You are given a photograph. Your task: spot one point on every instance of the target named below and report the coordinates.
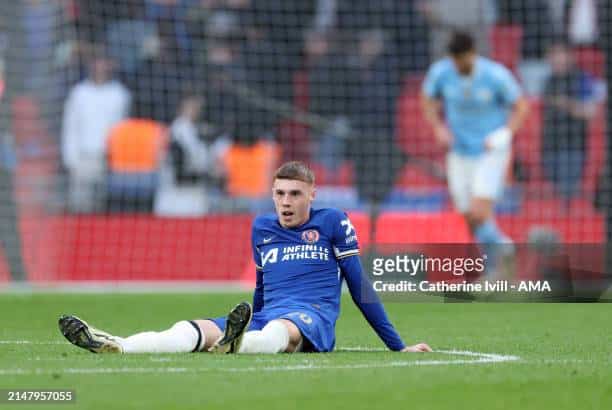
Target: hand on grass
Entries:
(418, 348)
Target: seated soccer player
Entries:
(302, 255)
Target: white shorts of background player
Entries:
(481, 176)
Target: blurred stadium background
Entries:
(138, 137)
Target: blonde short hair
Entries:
(295, 170)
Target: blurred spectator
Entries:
(373, 92)
(374, 85)
(93, 107)
(268, 73)
(569, 102)
(604, 191)
(446, 16)
(225, 77)
(10, 235)
(359, 15)
(325, 15)
(328, 89)
(582, 28)
(171, 19)
(196, 158)
(192, 161)
(91, 17)
(158, 84)
(411, 36)
(136, 148)
(284, 24)
(210, 20)
(557, 8)
(576, 20)
(195, 169)
(535, 17)
(405, 20)
(131, 38)
(39, 20)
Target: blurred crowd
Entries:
(225, 80)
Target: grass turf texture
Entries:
(564, 349)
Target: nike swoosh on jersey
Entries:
(266, 240)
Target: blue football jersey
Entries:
(300, 265)
(303, 268)
(474, 105)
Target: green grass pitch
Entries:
(545, 356)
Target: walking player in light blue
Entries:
(475, 106)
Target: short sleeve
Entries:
(256, 253)
(344, 236)
(432, 87)
(509, 89)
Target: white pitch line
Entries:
(300, 367)
(162, 370)
(339, 349)
(29, 342)
(475, 358)
(493, 356)
(489, 356)
(361, 349)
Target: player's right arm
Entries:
(258, 294)
(258, 300)
(431, 104)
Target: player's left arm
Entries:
(510, 94)
(518, 114)
(346, 251)
(371, 307)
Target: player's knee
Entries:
(293, 334)
(468, 219)
(476, 219)
(210, 332)
(480, 212)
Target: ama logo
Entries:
(310, 236)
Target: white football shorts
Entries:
(481, 176)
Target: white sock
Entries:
(273, 338)
(183, 337)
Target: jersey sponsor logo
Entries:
(310, 236)
(301, 252)
(266, 240)
(295, 253)
(271, 256)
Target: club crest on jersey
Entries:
(310, 236)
